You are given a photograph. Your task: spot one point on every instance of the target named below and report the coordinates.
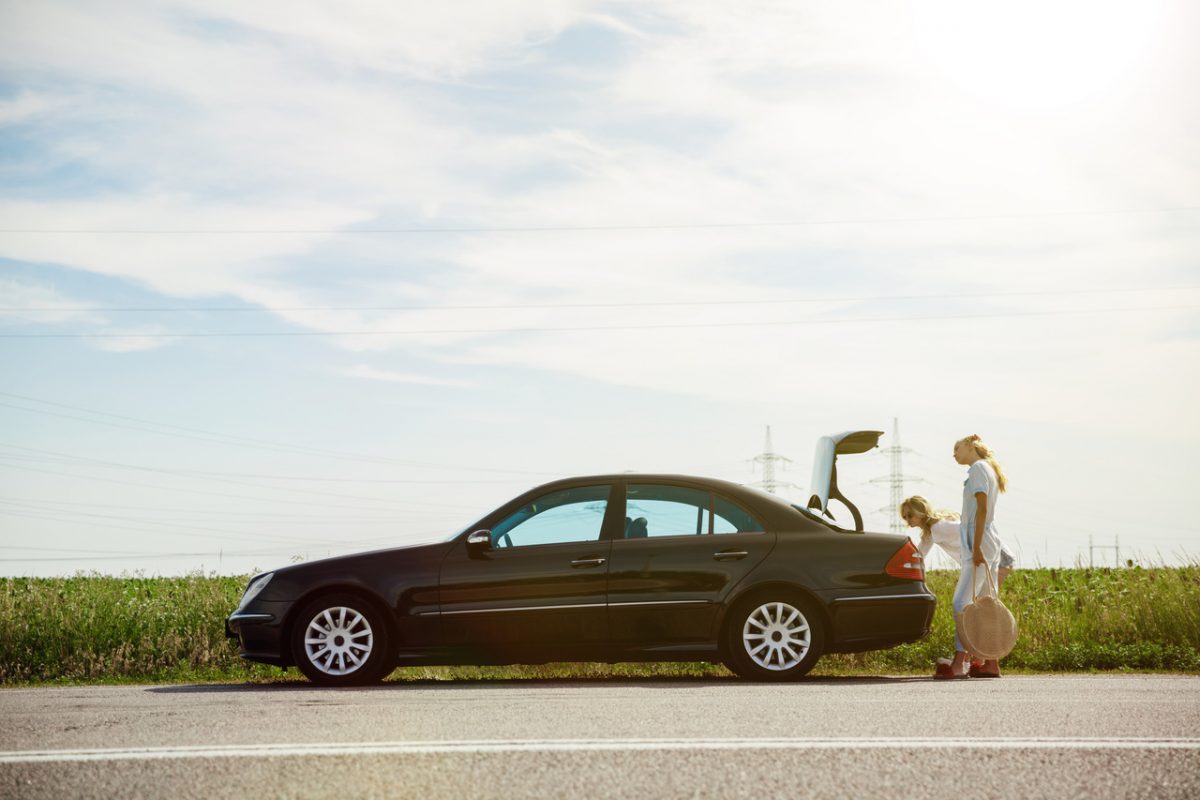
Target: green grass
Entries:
(92, 628)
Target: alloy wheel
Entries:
(338, 640)
(776, 636)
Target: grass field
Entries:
(104, 629)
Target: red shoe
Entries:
(977, 672)
(944, 671)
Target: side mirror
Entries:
(479, 542)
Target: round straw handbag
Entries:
(988, 629)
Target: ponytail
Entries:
(987, 454)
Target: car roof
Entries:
(734, 490)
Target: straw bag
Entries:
(987, 628)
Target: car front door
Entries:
(541, 580)
(683, 549)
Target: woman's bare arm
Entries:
(981, 500)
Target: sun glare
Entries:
(1038, 54)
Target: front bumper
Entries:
(258, 630)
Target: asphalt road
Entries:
(1063, 736)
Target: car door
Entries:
(682, 550)
(541, 582)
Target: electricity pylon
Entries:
(769, 458)
(896, 479)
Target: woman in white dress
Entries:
(979, 543)
(940, 527)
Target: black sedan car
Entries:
(612, 568)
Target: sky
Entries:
(279, 281)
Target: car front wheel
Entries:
(774, 638)
(341, 640)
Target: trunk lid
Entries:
(824, 480)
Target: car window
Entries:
(652, 510)
(568, 515)
(732, 518)
(660, 510)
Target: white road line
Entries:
(585, 745)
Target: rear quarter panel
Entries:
(843, 573)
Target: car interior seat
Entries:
(637, 529)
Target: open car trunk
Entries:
(824, 480)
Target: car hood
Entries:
(414, 551)
(824, 480)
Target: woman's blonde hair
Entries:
(986, 453)
(919, 505)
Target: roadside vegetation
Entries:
(92, 628)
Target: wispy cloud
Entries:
(372, 373)
(271, 132)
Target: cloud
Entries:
(372, 373)
(133, 339)
(26, 301)
(305, 125)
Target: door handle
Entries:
(587, 562)
(729, 555)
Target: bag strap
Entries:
(991, 582)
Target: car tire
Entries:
(342, 640)
(773, 637)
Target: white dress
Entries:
(946, 534)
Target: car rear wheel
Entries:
(774, 638)
(341, 640)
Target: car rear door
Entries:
(683, 549)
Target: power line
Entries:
(82, 461)
(27, 506)
(7, 560)
(7, 547)
(70, 459)
(208, 533)
(601, 228)
(213, 533)
(585, 328)
(242, 441)
(124, 556)
(284, 500)
(219, 512)
(633, 304)
(1028, 495)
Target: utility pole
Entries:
(769, 458)
(896, 479)
(1115, 547)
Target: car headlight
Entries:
(255, 588)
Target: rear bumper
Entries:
(879, 620)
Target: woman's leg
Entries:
(962, 597)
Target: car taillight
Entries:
(907, 563)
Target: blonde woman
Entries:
(942, 528)
(937, 526)
(979, 541)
